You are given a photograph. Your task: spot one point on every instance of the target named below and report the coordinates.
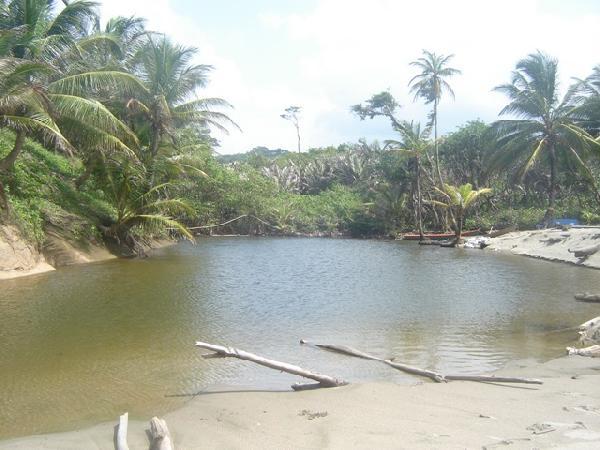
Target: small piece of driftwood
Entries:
(435, 376)
(121, 439)
(592, 351)
(587, 297)
(160, 436)
(322, 380)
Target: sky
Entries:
(326, 55)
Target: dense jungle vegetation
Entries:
(104, 137)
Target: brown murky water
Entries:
(86, 343)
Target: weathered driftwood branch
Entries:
(589, 332)
(435, 376)
(592, 351)
(159, 433)
(343, 349)
(493, 379)
(121, 439)
(587, 297)
(323, 380)
(585, 252)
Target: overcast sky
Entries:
(326, 55)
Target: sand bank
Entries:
(552, 244)
(564, 413)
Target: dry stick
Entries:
(121, 442)
(323, 380)
(161, 438)
(435, 376)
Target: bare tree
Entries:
(291, 114)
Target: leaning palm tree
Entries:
(429, 85)
(414, 144)
(546, 130)
(459, 199)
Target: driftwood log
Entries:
(435, 376)
(160, 436)
(121, 435)
(589, 332)
(592, 351)
(585, 252)
(323, 381)
(587, 297)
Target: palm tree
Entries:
(429, 85)
(546, 129)
(167, 100)
(459, 200)
(414, 144)
(588, 94)
(138, 204)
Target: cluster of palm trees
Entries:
(542, 131)
(120, 97)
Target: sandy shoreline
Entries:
(564, 412)
(75, 256)
(551, 245)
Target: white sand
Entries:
(380, 415)
(551, 244)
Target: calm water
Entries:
(86, 343)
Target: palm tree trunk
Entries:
(435, 143)
(298, 134)
(419, 201)
(155, 142)
(459, 226)
(9, 160)
(552, 198)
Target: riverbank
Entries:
(551, 245)
(19, 258)
(564, 412)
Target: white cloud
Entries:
(346, 50)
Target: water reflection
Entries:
(85, 343)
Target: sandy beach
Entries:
(564, 413)
(551, 244)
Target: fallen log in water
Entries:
(435, 376)
(160, 436)
(230, 352)
(587, 297)
(121, 437)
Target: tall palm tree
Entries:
(459, 199)
(167, 99)
(429, 85)
(414, 144)
(546, 130)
